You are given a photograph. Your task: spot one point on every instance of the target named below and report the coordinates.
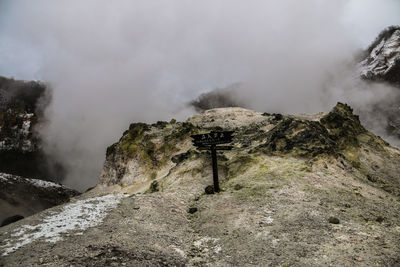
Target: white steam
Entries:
(115, 62)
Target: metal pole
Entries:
(215, 168)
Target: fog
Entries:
(111, 63)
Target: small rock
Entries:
(192, 210)
(209, 190)
(380, 219)
(277, 116)
(333, 220)
(238, 186)
(370, 178)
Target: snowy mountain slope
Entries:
(383, 57)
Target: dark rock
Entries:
(111, 149)
(371, 178)
(154, 187)
(160, 124)
(277, 116)
(209, 189)
(298, 137)
(238, 186)
(192, 210)
(11, 219)
(183, 156)
(333, 220)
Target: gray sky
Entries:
(115, 62)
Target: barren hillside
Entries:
(298, 190)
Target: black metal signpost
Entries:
(209, 141)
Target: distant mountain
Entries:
(21, 108)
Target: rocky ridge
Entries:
(297, 190)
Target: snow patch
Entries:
(36, 182)
(18, 137)
(4, 177)
(26, 125)
(41, 183)
(269, 220)
(3, 145)
(76, 217)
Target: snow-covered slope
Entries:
(382, 61)
(26, 196)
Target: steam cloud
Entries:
(114, 62)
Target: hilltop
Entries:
(297, 190)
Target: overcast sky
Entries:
(115, 62)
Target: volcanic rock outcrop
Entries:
(297, 190)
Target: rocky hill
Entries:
(297, 190)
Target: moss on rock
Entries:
(343, 126)
(298, 138)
